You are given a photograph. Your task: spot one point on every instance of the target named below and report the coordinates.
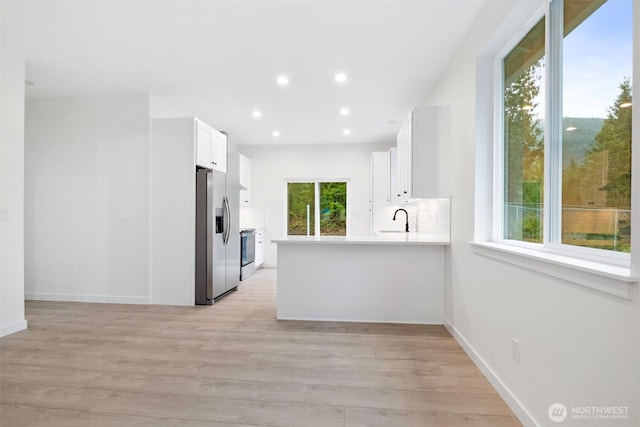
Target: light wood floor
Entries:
(233, 364)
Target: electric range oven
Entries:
(247, 253)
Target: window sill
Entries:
(610, 279)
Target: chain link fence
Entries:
(602, 228)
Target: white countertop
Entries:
(394, 238)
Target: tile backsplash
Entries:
(425, 215)
(434, 215)
(251, 218)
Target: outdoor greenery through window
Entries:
(301, 198)
(589, 128)
(523, 70)
(320, 206)
(596, 136)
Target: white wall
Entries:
(173, 212)
(87, 199)
(12, 74)
(578, 346)
(273, 164)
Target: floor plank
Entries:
(50, 397)
(367, 417)
(234, 364)
(27, 416)
(202, 387)
(223, 410)
(451, 402)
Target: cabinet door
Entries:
(244, 164)
(260, 247)
(417, 157)
(402, 191)
(394, 178)
(219, 151)
(380, 163)
(246, 187)
(407, 151)
(380, 196)
(246, 198)
(204, 138)
(425, 152)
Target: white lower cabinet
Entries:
(260, 247)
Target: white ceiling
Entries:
(218, 59)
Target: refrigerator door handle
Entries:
(226, 220)
(229, 220)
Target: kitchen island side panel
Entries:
(361, 283)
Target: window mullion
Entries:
(635, 149)
(553, 125)
(316, 208)
(498, 155)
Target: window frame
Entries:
(499, 135)
(552, 13)
(591, 275)
(316, 202)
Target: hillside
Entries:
(576, 143)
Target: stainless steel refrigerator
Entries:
(217, 233)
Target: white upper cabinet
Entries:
(219, 151)
(211, 147)
(380, 195)
(395, 193)
(380, 181)
(246, 190)
(203, 145)
(417, 157)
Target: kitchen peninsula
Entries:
(389, 277)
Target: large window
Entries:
(523, 83)
(317, 208)
(566, 145)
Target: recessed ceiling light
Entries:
(275, 133)
(344, 111)
(256, 113)
(282, 80)
(571, 128)
(625, 104)
(341, 77)
(346, 132)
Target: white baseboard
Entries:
(510, 399)
(86, 298)
(13, 328)
(400, 322)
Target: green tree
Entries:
(524, 152)
(299, 195)
(614, 142)
(524, 135)
(333, 208)
(571, 178)
(602, 179)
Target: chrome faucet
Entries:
(406, 225)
